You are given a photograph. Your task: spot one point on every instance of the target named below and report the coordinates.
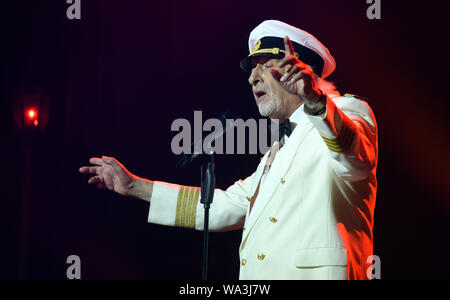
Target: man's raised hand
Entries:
(297, 77)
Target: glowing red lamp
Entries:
(31, 111)
(32, 116)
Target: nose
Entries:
(255, 75)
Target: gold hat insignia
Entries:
(257, 46)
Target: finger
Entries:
(90, 170)
(286, 61)
(287, 75)
(287, 68)
(288, 47)
(305, 75)
(96, 161)
(95, 180)
(84, 170)
(113, 163)
(296, 77)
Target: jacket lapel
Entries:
(277, 172)
(259, 172)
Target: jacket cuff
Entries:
(173, 205)
(336, 129)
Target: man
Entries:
(307, 211)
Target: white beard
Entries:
(268, 106)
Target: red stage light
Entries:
(31, 117)
(32, 114)
(31, 111)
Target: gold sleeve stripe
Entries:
(179, 204)
(343, 142)
(193, 206)
(184, 207)
(187, 207)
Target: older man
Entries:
(307, 210)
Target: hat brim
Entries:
(247, 65)
(274, 47)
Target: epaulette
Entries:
(357, 97)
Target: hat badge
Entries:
(257, 46)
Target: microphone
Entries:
(197, 145)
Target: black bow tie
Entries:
(284, 129)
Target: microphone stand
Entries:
(208, 184)
(208, 179)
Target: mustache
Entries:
(261, 87)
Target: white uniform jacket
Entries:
(313, 215)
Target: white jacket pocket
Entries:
(317, 257)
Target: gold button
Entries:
(273, 220)
(261, 256)
(249, 199)
(244, 262)
(283, 181)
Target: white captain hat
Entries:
(267, 39)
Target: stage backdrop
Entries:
(114, 81)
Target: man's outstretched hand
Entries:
(112, 175)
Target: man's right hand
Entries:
(112, 175)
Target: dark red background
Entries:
(117, 79)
